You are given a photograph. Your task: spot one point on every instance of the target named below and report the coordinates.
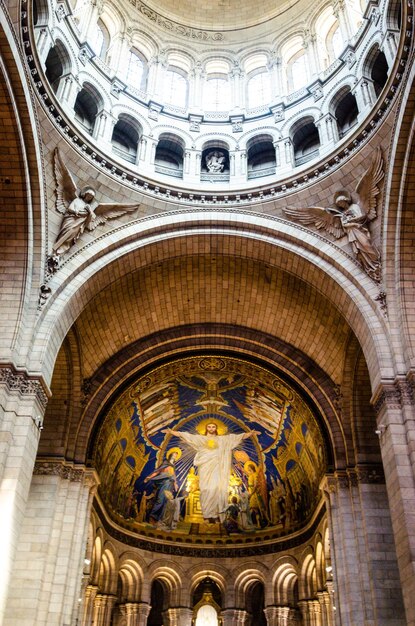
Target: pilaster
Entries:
(23, 400)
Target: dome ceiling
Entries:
(220, 14)
(242, 462)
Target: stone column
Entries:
(23, 401)
(179, 616)
(365, 95)
(274, 68)
(310, 47)
(310, 612)
(277, 615)
(340, 12)
(88, 609)
(237, 94)
(196, 78)
(395, 408)
(90, 19)
(328, 132)
(325, 608)
(359, 523)
(50, 557)
(186, 164)
(136, 613)
(117, 54)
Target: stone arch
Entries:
(308, 576)
(285, 581)
(171, 578)
(131, 578)
(353, 311)
(108, 570)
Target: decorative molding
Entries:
(281, 189)
(176, 27)
(66, 470)
(395, 395)
(24, 383)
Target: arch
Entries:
(217, 92)
(285, 581)
(375, 67)
(308, 576)
(169, 155)
(57, 64)
(131, 577)
(108, 571)
(305, 139)
(87, 105)
(258, 88)
(344, 108)
(136, 72)
(354, 283)
(261, 156)
(175, 87)
(126, 136)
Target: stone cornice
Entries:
(24, 383)
(67, 470)
(394, 394)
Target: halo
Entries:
(246, 465)
(201, 426)
(171, 451)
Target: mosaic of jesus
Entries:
(209, 447)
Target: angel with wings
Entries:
(351, 218)
(79, 208)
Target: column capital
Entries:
(23, 383)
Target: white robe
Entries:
(213, 459)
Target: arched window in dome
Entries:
(136, 70)
(169, 155)
(88, 103)
(57, 65)
(259, 89)
(344, 108)
(175, 87)
(125, 138)
(261, 157)
(336, 42)
(217, 93)
(297, 75)
(306, 140)
(99, 39)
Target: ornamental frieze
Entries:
(23, 383)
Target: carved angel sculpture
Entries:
(80, 209)
(351, 218)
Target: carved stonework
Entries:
(381, 298)
(370, 474)
(351, 217)
(79, 208)
(67, 471)
(23, 383)
(406, 390)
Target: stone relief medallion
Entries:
(208, 448)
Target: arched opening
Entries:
(57, 64)
(169, 155)
(261, 157)
(207, 602)
(379, 72)
(345, 110)
(217, 93)
(175, 87)
(158, 604)
(306, 141)
(125, 138)
(256, 604)
(87, 105)
(40, 12)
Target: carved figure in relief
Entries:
(215, 161)
(79, 208)
(213, 460)
(351, 218)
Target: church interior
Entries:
(207, 366)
